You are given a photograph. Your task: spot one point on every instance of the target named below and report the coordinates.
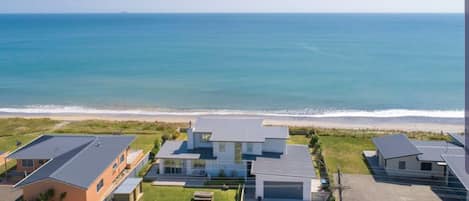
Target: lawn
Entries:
(163, 193)
(346, 153)
(298, 139)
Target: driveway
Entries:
(8, 193)
(365, 188)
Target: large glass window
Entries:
(426, 166)
(249, 147)
(173, 163)
(198, 164)
(238, 154)
(206, 137)
(99, 185)
(221, 147)
(27, 163)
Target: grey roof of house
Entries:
(230, 129)
(394, 146)
(128, 185)
(456, 164)
(49, 146)
(296, 162)
(461, 139)
(80, 165)
(432, 150)
(177, 149)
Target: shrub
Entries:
(314, 141)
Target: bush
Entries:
(314, 141)
(165, 137)
(156, 146)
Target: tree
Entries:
(314, 140)
(156, 146)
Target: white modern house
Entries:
(243, 147)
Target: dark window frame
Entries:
(426, 166)
(402, 165)
(100, 185)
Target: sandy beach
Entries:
(401, 124)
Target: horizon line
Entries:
(260, 12)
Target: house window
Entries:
(426, 166)
(221, 147)
(27, 163)
(205, 137)
(249, 147)
(173, 163)
(99, 185)
(198, 164)
(122, 158)
(114, 167)
(41, 162)
(402, 165)
(238, 155)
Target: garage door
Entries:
(283, 190)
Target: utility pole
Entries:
(339, 181)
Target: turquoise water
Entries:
(279, 63)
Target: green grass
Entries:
(346, 153)
(126, 127)
(163, 193)
(298, 139)
(19, 126)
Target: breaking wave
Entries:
(58, 109)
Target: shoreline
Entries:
(392, 123)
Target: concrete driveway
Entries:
(365, 188)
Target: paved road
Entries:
(365, 188)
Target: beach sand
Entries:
(401, 124)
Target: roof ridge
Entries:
(83, 147)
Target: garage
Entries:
(283, 190)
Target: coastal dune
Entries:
(391, 123)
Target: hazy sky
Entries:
(64, 6)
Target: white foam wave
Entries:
(57, 109)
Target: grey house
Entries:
(243, 147)
(399, 156)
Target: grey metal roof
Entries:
(456, 164)
(461, 139)
(81, 165)
(128, 185)
(49, 146)
(394, 146)
(229, 129)
(296, 162)
(432, 150)
(177, 149)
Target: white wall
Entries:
(274, 145)
(190, 138)
(412, 168)
(260, 178)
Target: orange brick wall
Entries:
(31, 192)
(108, 176)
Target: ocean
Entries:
(312, 65)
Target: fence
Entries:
(240, 193)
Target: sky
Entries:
(220, 6)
